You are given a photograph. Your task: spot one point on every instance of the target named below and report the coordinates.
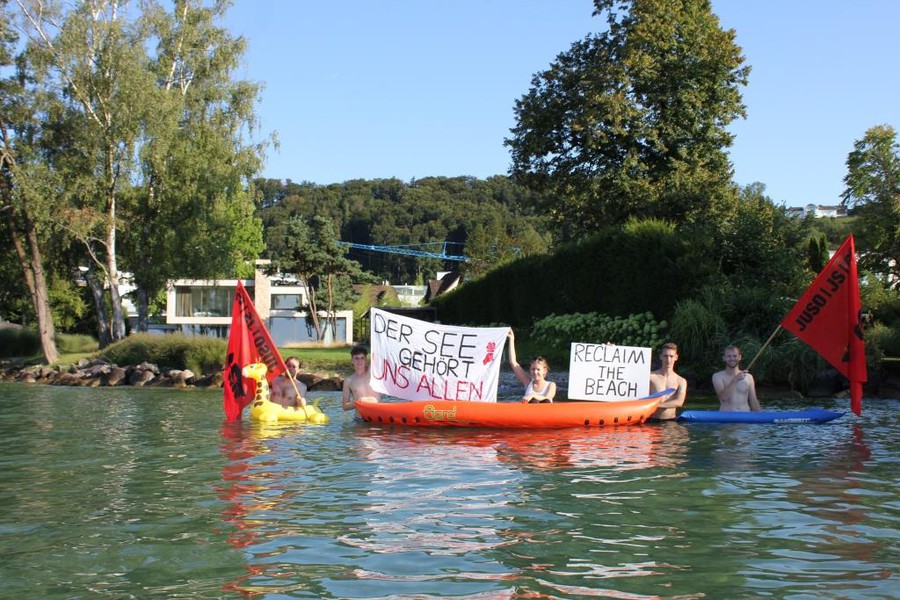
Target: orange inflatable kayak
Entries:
(513, 415)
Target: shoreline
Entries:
(99, 373)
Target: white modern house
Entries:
(200, 307)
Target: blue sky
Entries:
(416, 88)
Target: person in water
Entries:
(537, 388)
(286, 389)
(358, 386)
(665, 378)
(735, 388)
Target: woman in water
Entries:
(537, 388)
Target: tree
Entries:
(873, 188)
(308, 249)
(151, 131)
(632, 121)
(93, 59)
(193, 199)
(25, 185)
(817, 253)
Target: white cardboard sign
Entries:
(608, 372)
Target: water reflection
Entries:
(145, 494)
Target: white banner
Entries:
(417, 360)
(608, 372)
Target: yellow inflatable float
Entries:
(265, 411)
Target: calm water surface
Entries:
(134, 493)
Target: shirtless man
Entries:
(735, 388)
(664, 378)
(357, 386)
(282, 390)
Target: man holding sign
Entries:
(664, 378)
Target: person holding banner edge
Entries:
(665, 378)
(735, 388)
(358, 385)
(537, 388)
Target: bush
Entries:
(174, 351)
(19, 342)
(68, 343)
(700, 333)
(557, 332)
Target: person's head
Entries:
(359, 356)
(539, 366)
(292, 364)
(731, 355)
(668, 354)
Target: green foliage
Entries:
(491, 221)
(557, 332)
(174, 351)
(19, 342)
(758, 246)
(882, 342)
(67, 303)
(637, 267)
(873, 187)
(817, 253)
(700, 332)
(790, 362)
(881, 302)
(633, 120)
(76, 343)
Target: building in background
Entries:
(199, 307)
(818, 211)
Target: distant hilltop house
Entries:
(818, 211)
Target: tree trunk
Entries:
(313, 310)
(96, 287)
(31, 262)
(143, 310)
(117, 327)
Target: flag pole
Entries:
(768, 341)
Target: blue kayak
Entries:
(810, 415)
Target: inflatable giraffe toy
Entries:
(262, 409)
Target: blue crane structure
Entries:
(408, 250)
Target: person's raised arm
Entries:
(520, 373)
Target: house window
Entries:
(292, 302)
(193, 301)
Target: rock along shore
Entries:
(99, 373)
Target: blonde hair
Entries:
(541, 361)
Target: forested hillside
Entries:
(490, 221)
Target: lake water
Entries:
(145, 493)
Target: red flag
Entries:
(248, 342)
(828, 318)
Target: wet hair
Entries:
(732, 347)
(359, 349)
(294, 358)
